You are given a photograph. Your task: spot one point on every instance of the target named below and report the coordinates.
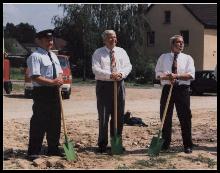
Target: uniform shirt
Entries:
(101, 63)
(185, 64)
(39, 64)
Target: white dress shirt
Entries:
(101, 63)
(40, 64)
(185, 64)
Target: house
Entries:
(14, 48)
(31, 47)
(16, 52)
(196, 22)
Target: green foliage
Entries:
(16, 74)
(143, 70)
(82, 26)
(17, 87)
(23, 32)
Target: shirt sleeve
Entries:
(33, 63)
(127, 67)
(96, 67)
(158, 68)
(190, 68)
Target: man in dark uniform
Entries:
(176, 68)
(46, 74)
(109, 63)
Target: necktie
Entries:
(113, 62)
(54, 69)
(174, 66)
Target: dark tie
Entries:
(174, 66)
(113, 62)
(54, 69)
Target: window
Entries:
(64, 63)
(150, 39)
(185, 35)
(167, 15)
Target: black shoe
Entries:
(55, 153)
(102, 149)
(188, 150)
(33, 157)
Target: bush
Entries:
(143, 70)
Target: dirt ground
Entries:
(82, 126)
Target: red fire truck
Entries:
(6, 74)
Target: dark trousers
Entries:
(181, 98)
(46, 118)
(105, 106)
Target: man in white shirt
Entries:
(176, 68)
(109, 63)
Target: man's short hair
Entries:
(173, 39)
(107, 32)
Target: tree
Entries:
(83, 24)
(23, 32)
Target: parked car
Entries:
(67, 79)
(215, 72)
(205, 82)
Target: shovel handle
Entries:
(166, 107)
(115, 106)
(62, 114)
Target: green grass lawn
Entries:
(16, 73)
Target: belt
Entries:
(49, 87)
(102, 81)
(177, 86)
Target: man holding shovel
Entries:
(46, 74)
(111, 65)
(178, 69)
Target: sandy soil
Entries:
(82, 126)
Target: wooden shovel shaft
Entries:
(115, 106)
(166, 107)
(62, 114)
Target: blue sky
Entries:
(38, 15)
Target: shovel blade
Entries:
(116, 145)
(69, 151)
(155, 146)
